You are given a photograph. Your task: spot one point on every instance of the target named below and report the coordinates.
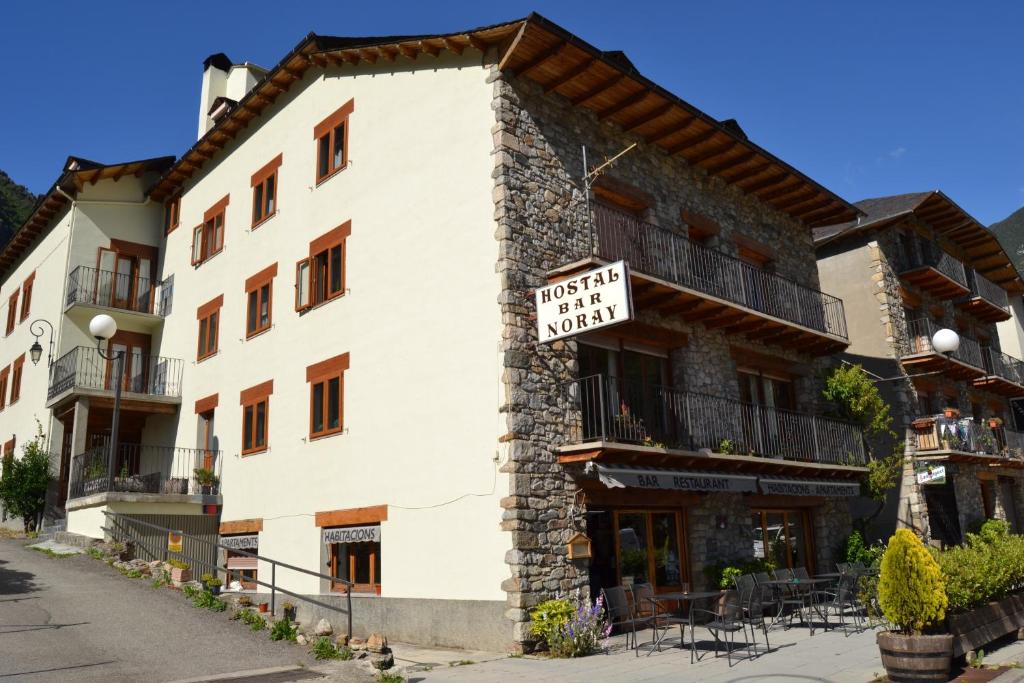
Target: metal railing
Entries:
(919, 340)
(120, 530)
(95, 287)
(611, 409)
(145, 469)
(984, 288)
(84, 368)
(930, 255)
(658, 252)
(968, 435)
(999, 364)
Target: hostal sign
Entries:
(584, 302)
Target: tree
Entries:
(25, 481)
(856, 398)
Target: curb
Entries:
(278, 673)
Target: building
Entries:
(342, 327)
(915, 264)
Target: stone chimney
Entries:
(224, 84)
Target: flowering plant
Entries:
(580, 630)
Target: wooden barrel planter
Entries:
(916, 658)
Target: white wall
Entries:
(1011, 334)
(421, 324)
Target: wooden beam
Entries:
(683, 307)
(712, 153)
(783, 192)
(798, 199)
(431, 50)
(656, 113)
(570, 75)
(597, 89)
(388, 53)
(542, 57)
(453, 46)
(635, 98)
(319, 60)
(726, 164)
(408, 51)
(692, 142)
(510, 51)
(670, 131)
(764, 184)
(724, 320)
(369, 55)
(477, 42)
(748, 173)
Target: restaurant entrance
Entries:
(638, 546)
(781, 537)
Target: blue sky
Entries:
(869, 98)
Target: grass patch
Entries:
(385, 677)
(323, 648)
(50, 553)
(283, 630)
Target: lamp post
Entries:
(944, 341)
(103, 328)
(35, 351)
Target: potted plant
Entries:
(912, 596)
(180, 571)
(207, 480)
(995, 422)
(244, 601)
(263, 608)
(289, 611)
(212, 583)
(951, 412)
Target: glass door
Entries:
(650, 549)
(781, 537)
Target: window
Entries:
(781, 537)
(208, 238)
(259, 298)
(4, 375)
(327, 396)
(209, 327)
(358, 560)
(26, 296)
(172, 215)
(264, 191)
(12, 311)
(255, 402)
(19, 362)
(321, 276)
(331, 137)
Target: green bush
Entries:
(177, 564)
(323, 648)
(987, 568)
(549, 617)
(724, 574)
(855, 550)
(283, 630)
(911, 587)
(204, 599)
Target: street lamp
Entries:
(944, 341)
(35, 351)
(103, 328)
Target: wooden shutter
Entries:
(303, 285)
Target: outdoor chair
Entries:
(843, 600)
(793, 598)
(645, 606)
(621, 615)
(752, 599)
(723, 626)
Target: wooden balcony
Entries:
(673, 276)
(935, 271)
(917, 354)
(1004, 374)
(986, 300)
(964, 439)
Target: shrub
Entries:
(988, 567)
(549, 617)
(911, 588)
(577, 633)
(724, 574)
(283, 630)
(204, 599)
(189, 590)
(323, 648)
(854, 550)
(24, 481)
(177, 564)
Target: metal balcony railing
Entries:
(94, 287)
(968, 435)
(919, 340)
(610, 409)
(84, 368)
(661, 253)
(145, 469)
(999, 364)
(984, 288)
(929, 255)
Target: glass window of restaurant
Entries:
(783, 538)
(638, 546)
(355, 556)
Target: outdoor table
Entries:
(798, 584)
(681, 596)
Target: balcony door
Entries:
(634, 394)
(206, 442)
(124, 276)
(135, 347)
(764, 426)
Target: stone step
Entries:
(69, 538)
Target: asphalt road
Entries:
(76, 619)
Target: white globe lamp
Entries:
(946, 341)
(103, 327)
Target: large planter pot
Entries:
(916, 658)
(180, 576)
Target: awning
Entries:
(242, 563)
(352, 534)
(621, 476)
(808, 487)
(241, 542)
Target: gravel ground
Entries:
(75, 618)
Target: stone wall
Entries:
(540, 210)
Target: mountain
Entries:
(15, 204)
(1010, 232)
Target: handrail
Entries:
(937, 258)
(274, 564)
(611, 409)
(919, 340)
(84, 367)
(984, 288)
(92, 286)
(144, 469)
(1003, 365)
(655, 251)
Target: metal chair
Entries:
(646, 606)
(723, 626)
(792, 597)
(844, 598)
(752, 601)
(620, 614)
